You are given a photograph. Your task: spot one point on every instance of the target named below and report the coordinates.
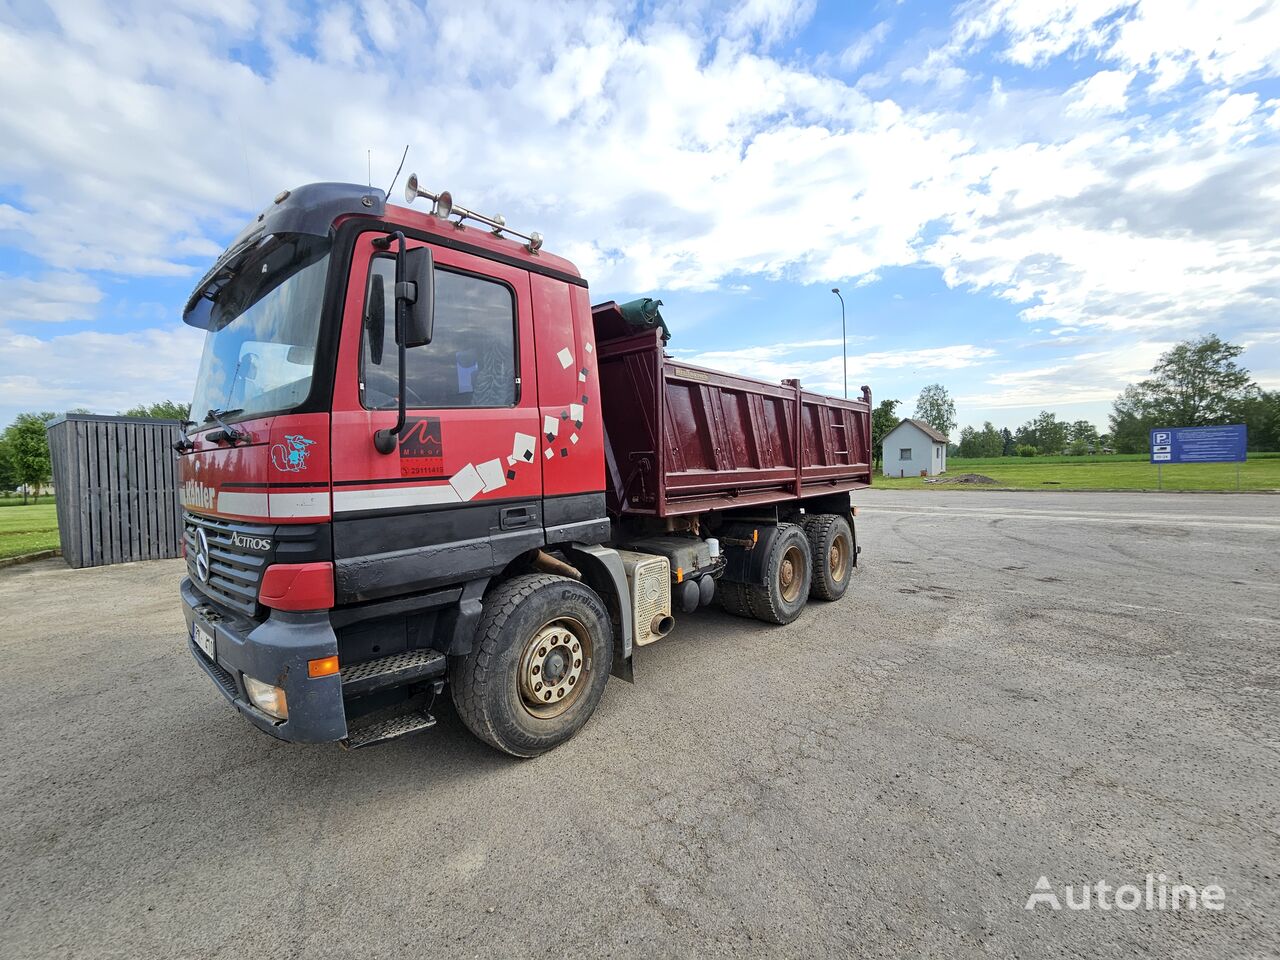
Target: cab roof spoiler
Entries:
(309, 209)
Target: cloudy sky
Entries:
(1024, 200)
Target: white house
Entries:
(912, 448)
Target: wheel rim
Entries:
(838, 559)
(554, 667)
(791, 574)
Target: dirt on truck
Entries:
(424, 460)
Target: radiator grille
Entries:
(235, 574)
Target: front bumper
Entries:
(275, 651)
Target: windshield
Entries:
(263, 319)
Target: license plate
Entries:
(203, 637)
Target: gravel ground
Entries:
(1079, 686)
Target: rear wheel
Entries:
(543, 651)
(788, 569)
(831, 545)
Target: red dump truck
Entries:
(420, 458)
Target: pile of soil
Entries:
(962, 478)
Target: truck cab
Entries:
(396, 479)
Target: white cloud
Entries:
(1219, 41)
(1094, 378)
(857, 52)
(54, 298)
(771, 20)
(677, 153)
(778, 361)
(102, 372)
(1102, 93)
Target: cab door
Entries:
(461, 495)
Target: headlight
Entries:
(270, 700)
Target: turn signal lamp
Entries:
(324, 667)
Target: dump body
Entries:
(682, 439)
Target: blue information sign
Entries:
(1198, 444)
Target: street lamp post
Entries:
(844, 342)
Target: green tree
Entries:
(1130, 421)
(936, 408)
(883, 419)
(8, 472)
(990, 442)
(1082, 437)
(1197, 383)
(1051, 433)
(164, 410)
(984, 443)
(1006, 442)
(29, 450)
(1260, 413)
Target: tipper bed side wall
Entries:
(682, 439)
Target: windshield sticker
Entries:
(291, 456)
(421, 449)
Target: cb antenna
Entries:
(398, 169)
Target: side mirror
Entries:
(415, 297)
(375, 318)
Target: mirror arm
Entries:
(384, 441)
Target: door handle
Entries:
(514, 517)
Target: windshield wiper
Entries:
(230, 434)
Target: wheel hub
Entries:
(838, 559)
(790, 574)
(552, 668)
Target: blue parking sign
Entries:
(1224, 444)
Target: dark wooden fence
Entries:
(116, 486)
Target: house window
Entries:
(904, 453)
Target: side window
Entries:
(904, 453)
(471, 359)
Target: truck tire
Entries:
(733, 598)
(831, 545)
(542, 655)
(788, 569)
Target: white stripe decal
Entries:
(299, 504)
(244, 504)
(345, 501)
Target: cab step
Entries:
(389, 728)
(409, 666)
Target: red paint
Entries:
(681, 439)
(298, 586)
(686, 439)
(254, 481)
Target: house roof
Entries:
(927, 430)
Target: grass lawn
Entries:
(1260, 472)
(28, 529)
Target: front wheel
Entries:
(543, 651)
